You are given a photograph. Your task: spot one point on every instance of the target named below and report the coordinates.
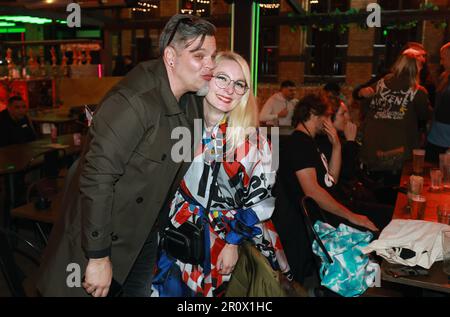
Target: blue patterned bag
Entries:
(349, 274)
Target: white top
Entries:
(273, 106)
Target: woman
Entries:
(390, 129)
(351, 189)
(439, 137)
(305, 171)
(347, 132)
(242, 204)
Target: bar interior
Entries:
(322, 167)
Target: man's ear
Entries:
(170, 55)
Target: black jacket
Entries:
(15, 132)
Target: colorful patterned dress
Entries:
(240, 209)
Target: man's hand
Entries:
(366, 92)
(331, 132)
(98, 277)
(283, 113)
(362, 221)
(227, 259)
(350, 131)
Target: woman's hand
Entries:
(331, 132)
(362, 221)
(350, 131)
(227, 259)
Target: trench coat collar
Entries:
(172, 105)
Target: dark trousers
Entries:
(433, 151)
(386, 182)
(139, 280)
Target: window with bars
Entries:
(268, 44)
(390, 39)
(326, 46)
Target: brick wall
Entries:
(267, 90)
(360, 46)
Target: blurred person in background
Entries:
(15, 125)
(278, 109)
(439, 136)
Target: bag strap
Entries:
(212, 188)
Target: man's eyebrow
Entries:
(197, 50)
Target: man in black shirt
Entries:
(15, 126)
(305, 171)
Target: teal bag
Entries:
(349, 274)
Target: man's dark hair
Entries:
(188, 28)
(14, 98)
(287, 83)
(310, 104)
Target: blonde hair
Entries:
(406, 65)
(244, 115)
(443, 78)
(445, 47)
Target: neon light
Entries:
(12, 30)
(99, 70)
(255, 46)
(232, 28)
(89, 33)
(26, 19)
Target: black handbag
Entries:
(185, 243)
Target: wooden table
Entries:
(437, 280)
(433, 198)
(30, 212)
(61, 120)
(50, 215)
(15, 158)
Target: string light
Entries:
(200, 7)
(145, 7)
(269, 6)
(314, 1)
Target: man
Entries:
(278, 109)
(15, 125)
(125, 173)
(439, 136)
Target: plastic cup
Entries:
(446, 251)
(436, 179)
(415, 184)
(443, 213)
(418, 205)
(444, 166)
(418, 161)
